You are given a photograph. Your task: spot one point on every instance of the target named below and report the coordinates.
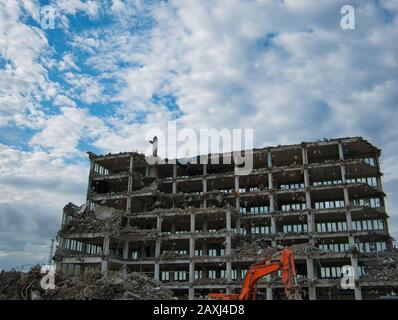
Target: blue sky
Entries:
(112, 69)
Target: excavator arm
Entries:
(262, 269)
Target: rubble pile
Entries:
(306, 250)
(170, 255)
(253, 248)
(259, 247)
(17, 285)
(383, 267)
(90, 223)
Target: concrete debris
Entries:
(17, 285)
(103, 212)
(382, 266)
(171, 255)
(250, 246)
(89, 223)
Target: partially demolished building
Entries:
(198, 227)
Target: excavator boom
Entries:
(262, 269)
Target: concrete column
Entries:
(191, 293)
(192, 222)
(306, 178)
(228, 249)
(237, 205)
(237, 193)
(311, 222)
(270, 181)
(346, 197)
(311, 276)
(304, 153)
(158, 245)
(341, 151)
(106, 245)
(90, 177)
(308, 199)
(269, 159)
(273, 225)
(270, 295)
(126, 250)
(104, 268)
(105, 259)
(357, 289)
(271, 203)
(204, 183)
(174, 178)
(156, 274)
(130, 185)
(343, 173)
(349, 219)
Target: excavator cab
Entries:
(262, 269)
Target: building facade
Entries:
(184, 223)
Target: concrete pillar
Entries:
(174, 178)
(157, 255)
(311, 276)
(106, 245)
(90, 177)
(191, 293)
(204, 190)
(105, 258)
(130, 185)
(156, 274)
(271, 203)
(308, 199)
(346, 196)
(228, 250)
(304, 153)
(343, 173)
(270, 295)
(311, 222)
(349, 219)
(269, 159)
(270, 181)
(104, 267)
(191, 261)
(192, 223)
(237, 192)
(357, 289)
(126, 250)
(306, 178)
(341, 151)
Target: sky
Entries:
(110, 70)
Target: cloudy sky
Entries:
(112, 69)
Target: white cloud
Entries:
(72, 7)
(62, 133)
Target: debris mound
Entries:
(259, 247)
(18, 285)
(382, 266)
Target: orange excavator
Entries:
(262, 269)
